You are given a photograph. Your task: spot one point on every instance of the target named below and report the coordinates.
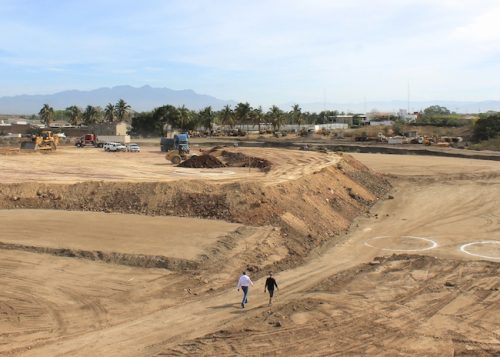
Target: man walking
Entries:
(270, 284)
(244, 282)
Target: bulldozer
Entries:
(45, 140)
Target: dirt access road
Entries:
(71, 165)
(441, 302)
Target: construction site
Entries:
(130, 254)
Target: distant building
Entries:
(349, 119)
(381, 123)
(407, 117)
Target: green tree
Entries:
(122, 110)
(167, 114)
(90, 115)
(46, 114)
(184, 118)
(257, 117)
(436, 110)
(276, 117)
(242, 113)
(487, 126)
(74, 114)
(227, 116)
(207, 118)
(109, 113)
(297, 116)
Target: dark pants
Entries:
(271, 292)
(245, 294)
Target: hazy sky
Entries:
(259, 51)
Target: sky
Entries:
(263, 52)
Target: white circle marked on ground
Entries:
(463, 248)
(433, 244)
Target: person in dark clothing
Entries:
(269, 286)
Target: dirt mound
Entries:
(205, 161)
(238, 159)
(218, 156)
(402, 306)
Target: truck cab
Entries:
(178, 142)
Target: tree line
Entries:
(184, 119)
(181, 118)
(90, 115)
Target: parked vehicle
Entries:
(99, 141)
(178, 142)
(133, 148)
(114, 147)
(117, 147)
(87, 140)
(107, 145)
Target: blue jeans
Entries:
(245, 294)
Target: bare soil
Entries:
(363, 268)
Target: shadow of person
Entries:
(226, 306)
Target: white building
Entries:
(407, 117)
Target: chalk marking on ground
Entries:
(433, 243)
(463, 248)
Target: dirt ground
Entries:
(71, 165)
(417, 272)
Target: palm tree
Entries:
(297, 115)
(109, 113)
(122, 110)
(227, 116)
(90, 115)
(242, 113)
(46, 114)
(276, 116)
(184, 117)
(75, 114)
(256, 116)
(207, 118)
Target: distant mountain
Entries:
(147, 98)
(395, 105)
(141, 99)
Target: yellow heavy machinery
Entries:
(177, 148)
(43, 141)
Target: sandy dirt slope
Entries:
(379, 304)
(341, 299)
(401, 306)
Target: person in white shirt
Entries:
(244, 282)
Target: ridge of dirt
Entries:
(136, 260)
(337, 194)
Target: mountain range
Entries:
(147, 98)
(139, 98)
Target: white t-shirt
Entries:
(244, 281)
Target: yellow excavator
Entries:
(43, 141)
